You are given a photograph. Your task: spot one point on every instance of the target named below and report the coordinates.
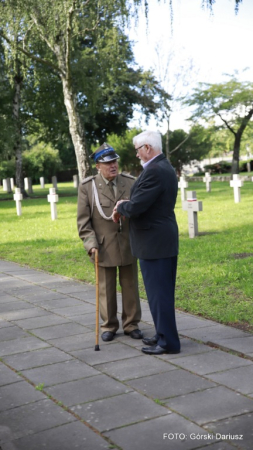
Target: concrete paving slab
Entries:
(8, 376)
(18, 394)
(9, 333)
(104, 414)
(7, 298)
(86, 319)
(36, 358)
(87, 390)
(214, 333)
(57, 331)
(13, 284)
(59, 373)
(29, 419)
(21, 314)
(189, 322)
(60, 303)
(240, 379)
(13, 306)
(4, 324)
(218, 446)
(211, 362)
(132, 368)
(238, 429)
(188, 347)
(149, 435)
(76, 342)
(74, 435)
(170, 384)
(87, 294)
(38, 294)
(21, 345)
(72, 311)
(114, 352)
(211, 404)
(42, 321)
(243, 345)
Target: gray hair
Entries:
(152, 138)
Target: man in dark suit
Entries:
(154, 238)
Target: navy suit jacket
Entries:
(152, 226)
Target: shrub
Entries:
(42, 160)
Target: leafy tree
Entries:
(231, 103)
(123, 145)
(185, 148)
(40, 159)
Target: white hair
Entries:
(152, 138)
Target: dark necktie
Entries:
(111, 188)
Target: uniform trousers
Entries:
(131, 310)
(159, 276)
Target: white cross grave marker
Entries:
(53, 199)
(76, 181)
(207, 179)
(183, 184)
(12, 184)
(42, 182)
(192, 205)
(236, 183)
(18, 197)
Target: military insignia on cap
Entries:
(104, 153)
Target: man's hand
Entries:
(92, 250)
(115, 215)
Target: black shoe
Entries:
(157, 350)
(135, 334)
(107, 336)
(150, 341)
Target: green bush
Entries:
(7, 169)
(243, 165)
(42, 160)
(219, 167)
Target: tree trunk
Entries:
(236, 154)
(76, 131)
(17, 147)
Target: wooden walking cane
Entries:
(97, 302)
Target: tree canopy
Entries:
(230, 104)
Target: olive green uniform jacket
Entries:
(95, 231)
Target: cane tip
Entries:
(97, 348)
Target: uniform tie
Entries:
(111, 188)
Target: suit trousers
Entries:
(159, 276)
(131, 310)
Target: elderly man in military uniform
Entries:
(96, 199)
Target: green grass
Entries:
(214, 270)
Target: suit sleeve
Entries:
(144, 195)
(84, 222)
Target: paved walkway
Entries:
(57, 393)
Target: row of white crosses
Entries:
(8, 184)
(52, 198)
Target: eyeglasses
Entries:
(139, 147)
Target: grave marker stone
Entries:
(18, 197)
(192, 206)
(42, 182)
(76, 181)
(53, 199)
(236, 183)
(54, 182)
(12, 184)
(7, 185)
(28, 185)
(183, 184)
(207, 179)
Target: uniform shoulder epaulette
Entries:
(86, 180)
(127, 175)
